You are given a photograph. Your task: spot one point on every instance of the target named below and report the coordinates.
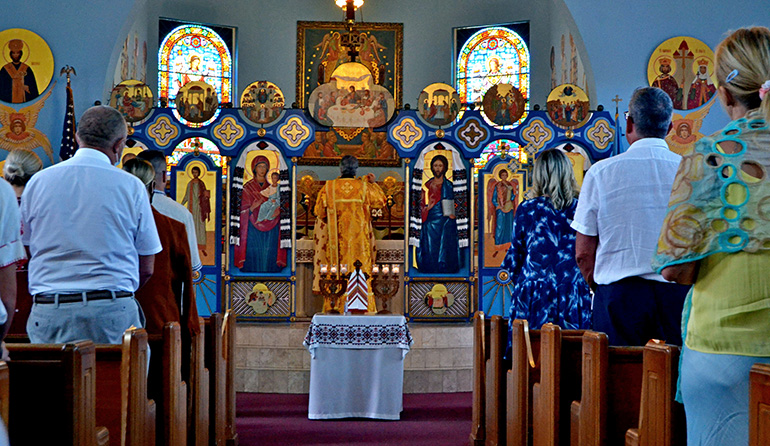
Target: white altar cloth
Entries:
(357, 366)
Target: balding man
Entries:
(168, 207)
(92, 239)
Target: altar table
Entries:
(357, 366)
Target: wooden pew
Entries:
(215, 362)
(54, 383)
(661, 419)
(525, 371)
(198, 395)
(228, 337)
(759, 405)
(610, 393)
(480, 354)
(560, 373)
(166, 388)
(494, 413)
(121, 390)
(5, 395)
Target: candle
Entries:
(334, 270)
(323, 269)
(375, 269)
(395, 269)
(385, 269)
(344, 268)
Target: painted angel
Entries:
(329, 56)
(17, 128)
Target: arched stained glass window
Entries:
(510, 148)
(490, 56)
(194, 53)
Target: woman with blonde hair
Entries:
(714, 237)
(19, 167)
(548, 286)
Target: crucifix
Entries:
(617, 101)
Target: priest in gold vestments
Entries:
(343, 230)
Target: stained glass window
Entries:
(192, 52)
(490, 56)
(510, 148)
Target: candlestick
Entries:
(395, 269)
(385, 269)
(344, 268)
(375, 269)
(323, 269)
(334, 270)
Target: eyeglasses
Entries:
(625, 115)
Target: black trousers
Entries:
(634, 310)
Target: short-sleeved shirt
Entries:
(623, 200)
(11, 248)
(170, 208)
(86, 223)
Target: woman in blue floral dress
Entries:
(548, 286)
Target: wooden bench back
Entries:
(661, 419)
(228, 338)
(560, 384)
(121, 390)
(759, 405)
(525, 371)
(166, 388)
(480, 354)
(610, 394)
(55, 384)
(215, 362)
(495, 375)
(198, 395)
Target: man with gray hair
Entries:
(619, 215)
(92, 239)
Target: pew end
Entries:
(759, 405)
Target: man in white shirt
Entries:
(168, 207)
(11, 251)
(92, 239)
(620, 211)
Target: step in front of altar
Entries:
(270, 358)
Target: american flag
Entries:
(68, 143)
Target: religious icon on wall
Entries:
(320, 51)
(17, 128)
(503, 104)
(351, 99)
(263, 204)
(261, 298)
(683, 67)
(195, 186)
(262, 102)
(685, 131)
(439, 299)
(504, 188)
(370, 147)
(437, 248)
(568, 106)
(438, 104)
(197, 102)
(27, 66)
(133, 98)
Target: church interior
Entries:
(446, 105)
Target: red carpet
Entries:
(436, 419)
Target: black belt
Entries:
(78, 297)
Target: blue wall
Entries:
(615, 38)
